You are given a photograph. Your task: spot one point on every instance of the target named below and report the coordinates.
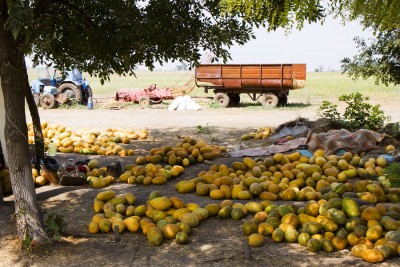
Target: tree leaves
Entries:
(105, 36)
(380, 58)
(274, 14)
(377, 14)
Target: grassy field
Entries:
(331, 85)
(319, 86)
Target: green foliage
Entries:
(358, 113)
(27, 243)
(393, 129)
(381, 15)
(213, 104)
(274, 14)
(379, 59)
(203, 129)
(55, 225)
(329, 111)
(392, 172)
(106, 37)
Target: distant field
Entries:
(319, 86)
(331, 85)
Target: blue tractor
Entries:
(61, 87)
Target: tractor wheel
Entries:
(36, 98)
(283, 100)
(47, 101)
(222, 99)
(234, 99)
(144, 102)
(269, 100)
(72, 91)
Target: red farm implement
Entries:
(145, 97)
(154, 95)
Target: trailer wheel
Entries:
(222, 99)
(234, 99)
(72, 91)
(144, 101)
(47, 101)
(269, 100)
(283, 100)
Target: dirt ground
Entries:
(214, 243)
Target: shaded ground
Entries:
(214, 243)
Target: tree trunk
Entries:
(37, 129)
(29, 220)
(2, 164)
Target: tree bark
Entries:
(37, 129)
(2, 165)
(29, 219)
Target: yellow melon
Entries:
(170, 230)
(256, 240)
(372, 256)
(132, 224)
(93, 228)
(155, 236)
(160, 203)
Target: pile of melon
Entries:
(345, 206)
(146, 175)
(154, 174)
(295, 177)
(88, 142)
(160, 218)
(149, 169)
(189, 151)
(260, 133)
(38, 179)
(370, 232)
(5, 181)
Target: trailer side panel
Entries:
(251, 76)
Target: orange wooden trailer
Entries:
(268, 83)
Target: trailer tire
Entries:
(222, 99)
(234, 99)
(72, 91)
(269, 100)
(47, 101)
(144, 102)
(283, 100)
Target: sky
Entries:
(314, 45)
